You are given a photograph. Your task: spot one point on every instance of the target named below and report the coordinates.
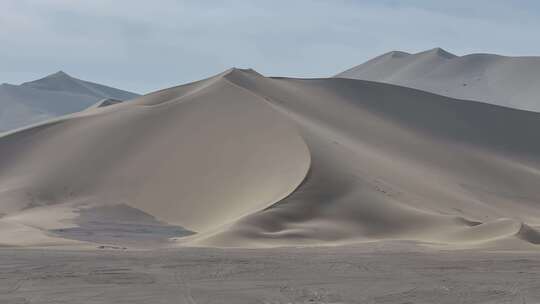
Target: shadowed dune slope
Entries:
(247, 161)
(395, 163)
(501, 80)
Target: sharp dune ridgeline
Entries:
(502, 80)
(243, 160)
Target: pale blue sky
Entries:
(148, 45)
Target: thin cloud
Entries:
(122, 42)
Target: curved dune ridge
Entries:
(198, 161)
(242, 160)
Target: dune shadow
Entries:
(120, 225)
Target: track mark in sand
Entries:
(186, 290)
(21, 300)
(306, 294)
(16, 286)
(345, 267)
(118, 276)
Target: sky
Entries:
(144, 46)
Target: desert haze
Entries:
(420, 162)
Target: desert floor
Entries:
(378, 273)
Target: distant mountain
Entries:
(501, 80)
(55, 95)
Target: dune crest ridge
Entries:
(382, 171)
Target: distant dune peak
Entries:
(502, 80)
(51, 96)
(59, 74)
(396, 54)
(439, 52)
(234, 70)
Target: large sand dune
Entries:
(248, 161)
(52, 96)
(195, 157)
(501, 80)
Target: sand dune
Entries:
(52, 96)
(501, 80)
(199, 160)
(396, 163)
(241, 160)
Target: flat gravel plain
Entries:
(350, 274)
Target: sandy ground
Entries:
(366, 274)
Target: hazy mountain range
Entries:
(52, 96)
